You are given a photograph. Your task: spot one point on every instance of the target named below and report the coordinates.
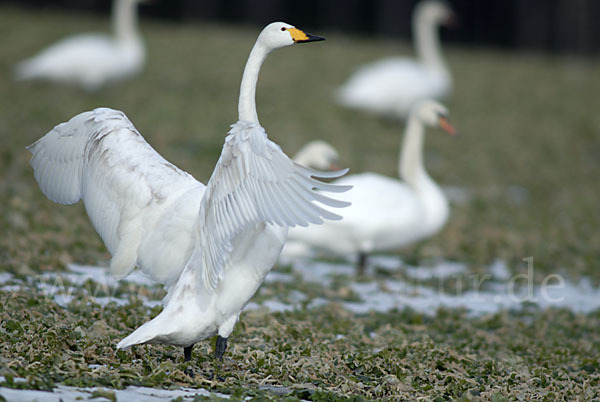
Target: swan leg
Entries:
(221, 347)
(187, 356)
(362, 263)
(187, 353)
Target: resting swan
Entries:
(210, 245)
(391, 86)
(318, 155)
(91, 60)
(385, 213)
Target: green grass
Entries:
(526, 121)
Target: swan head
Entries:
(433, 114)
(318, 155)
(435, 12)
(280, 34)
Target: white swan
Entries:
(91, 60)
(318, 155)
(385, 213)
(391, 86)
(211, 245)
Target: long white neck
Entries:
(247, 102)
(412, 171)
(125, 20)
(411, 168)
(425, 32)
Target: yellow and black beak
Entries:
(299, 36)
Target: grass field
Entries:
(527, 153)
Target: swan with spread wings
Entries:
(210, 245)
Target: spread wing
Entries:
(126, 186)
(254, 182)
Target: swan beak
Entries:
(446, 126)
(299, 36)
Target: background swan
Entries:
(391, 86)
(211, 245)
(386, 213)
(318, 155)
(91, 60)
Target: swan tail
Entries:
(147, 333)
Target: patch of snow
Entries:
(5, 277)
(321, 272)
(443, 269)
(144, 394)
(387, 262)
(102, 275)
(103, 301)
(297, 296)
(62, 299)
(62, 285)
(61, 393)
(11, 288)
(129, 394)
(493, 291)
(151, 303)
(499, 270)
(582, 297)
(278, 277)
(317, 302)
(96, 366)
(277, 306)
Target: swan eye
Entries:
(283, 28)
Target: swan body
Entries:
(391, 86)
(386, 213)
(210, 245)
(91, 60)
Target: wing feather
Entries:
(255, 183)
